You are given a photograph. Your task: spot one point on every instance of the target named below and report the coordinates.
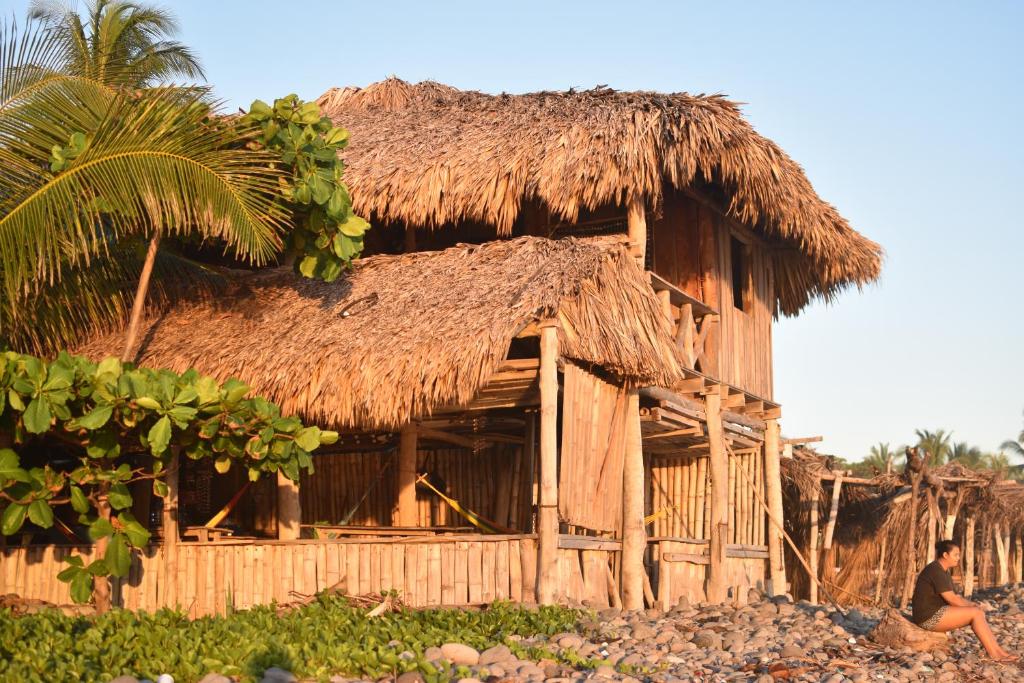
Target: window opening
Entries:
(740, 254)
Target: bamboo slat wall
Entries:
(494, 482)
(210, 577)
(593, 451)
(681, 486)
(682, 571)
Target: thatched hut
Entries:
(866, 539)
(566, 298)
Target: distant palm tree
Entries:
(936, 444)
(1014, 447)
(881, 457)
(119, 43)
(968, 456)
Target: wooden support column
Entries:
(1018, 560)
(1003, 577)
(717, 587)
(636, 219)
(969, 557)
(930, 550)
(289, 512)
(881, 570)
(773, 481)
(410, 239)
(169, 532)
(634, 535)
(908, 583)
(833, 511)
(405, 495)
(812, 546)
(547, 508)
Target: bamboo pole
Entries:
(773, 479)
(407, 513)
(908, 583)
(969, 557)
(833, 511)
(1018, 558)
(547, 508)
(812, 546)
(636, 221)
(634, 537)
(796, 552)
(930, 550)
(1001, 552)
(289, 511)
(719, 497)
(881, 570)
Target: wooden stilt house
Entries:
(552, 371)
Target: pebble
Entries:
(460, 655)
(278, 675)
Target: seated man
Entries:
(938, 608)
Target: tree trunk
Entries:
(908, 584)
(139, 304)
(101, 584)
(634, 533)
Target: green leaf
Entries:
(308, 266)
(37, 416)
(101, 528)
(222, 464)
(40, 513)
(160, 488)
(354, 226)
(10, 467)
(147, 402)
(96, 418)
(14, 398)
(336, 136)
(12, 519)
(120, 497)
(137, 534)
(160, 435)
(118, 556)
(308, 438)
(254, 474)
(81, 587)
(327, 437)
(79, 502)
(109, 365)
(69, 573)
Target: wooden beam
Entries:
(289, 511)
(804, 439)
(634, 533)
(636, 221)
(547, 507)
(833, 512)
(719, 497)
(169, 531)
(407, 513)
(773, 482)
(438, 435)
(969, 538)
(812, 546)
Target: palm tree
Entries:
(90, 169)
(968, 456)
(1014, 447)
(935, 444)
(120, 43)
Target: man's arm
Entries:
(955, 600)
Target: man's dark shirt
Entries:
(931, 582)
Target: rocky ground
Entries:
(765, 641)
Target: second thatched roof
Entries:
(401, 336)
(430, 155)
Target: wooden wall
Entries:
(494, 482)
(210, 577)
(691, 249)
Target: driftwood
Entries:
(380, 602)
(897, 632)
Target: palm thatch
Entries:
(430, 155)
(400, 336)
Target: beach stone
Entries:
(791, 650)
(606, 671)
(278, 675)
(570, 641)
(493, 655)
(432, 654)
(643, 632)
(469, 680)
(215, 678)
(410, 677)
(460, 655)
(165, 678)
(707, 639)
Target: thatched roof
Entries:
(400, 336)
(429, 155)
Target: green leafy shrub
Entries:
(317, 641)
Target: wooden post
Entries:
(833, 512)
(684, 335)
(930, 551)
(289, 512)
(636, 220)
(773, 481)
(969, 557)
(719, 497)
(547, 508)
(634, 535)
(1018, 559)
(908, 583)
(812, 545)
(1001, 552)
(407, 513)
(410, 239)
(169, 532)
(881, 570)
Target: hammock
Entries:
(485, 525)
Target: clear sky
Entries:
(905, 115)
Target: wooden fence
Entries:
(209, 578)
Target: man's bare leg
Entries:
(958, 617)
